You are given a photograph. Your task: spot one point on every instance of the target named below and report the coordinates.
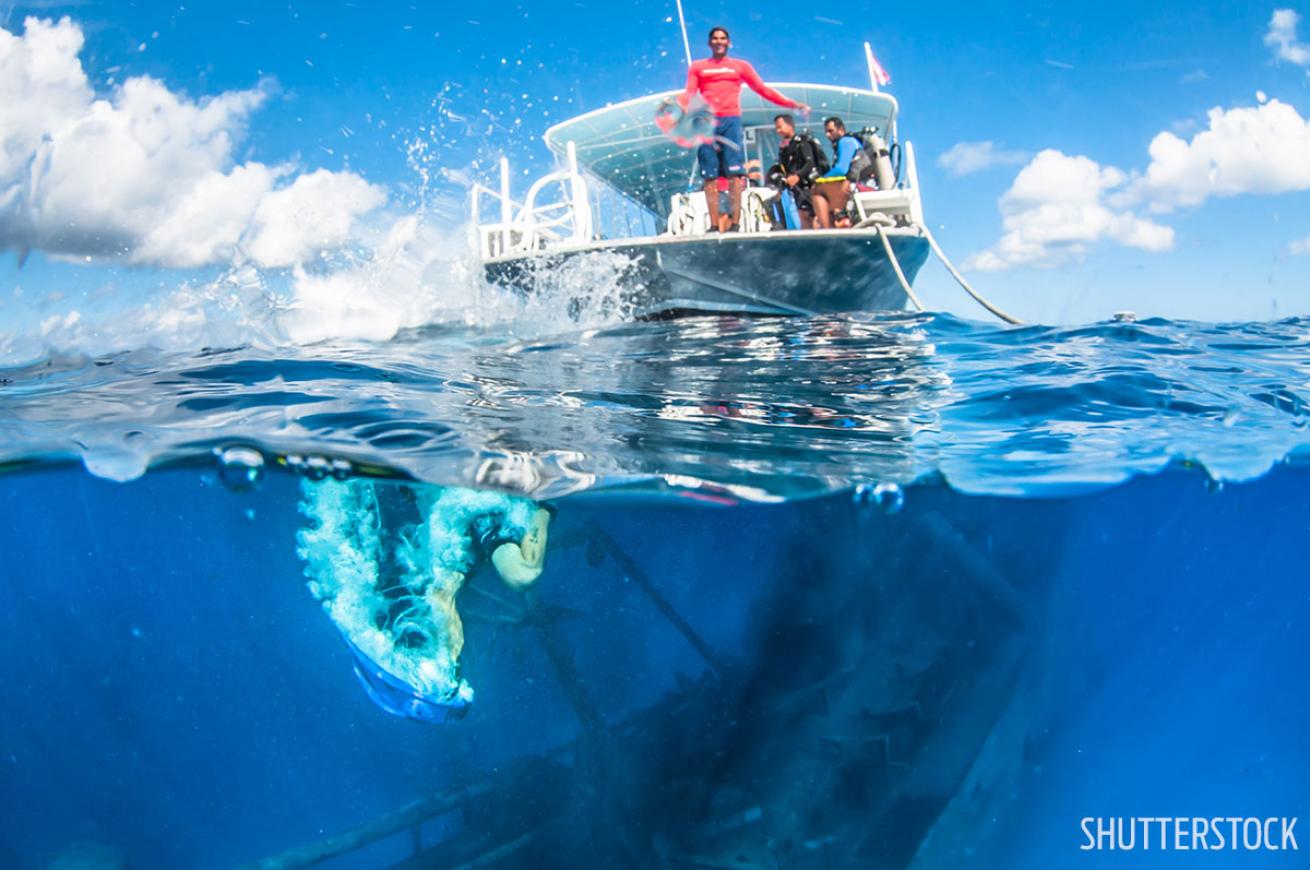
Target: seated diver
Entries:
(800, 161)
(852, 165)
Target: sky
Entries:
(166, 167)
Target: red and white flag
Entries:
(876, 72)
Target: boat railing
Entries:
(528, 226)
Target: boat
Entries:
(627, 191)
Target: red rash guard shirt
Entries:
(720, 81)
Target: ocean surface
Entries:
(870, 591)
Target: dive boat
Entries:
(627, 191)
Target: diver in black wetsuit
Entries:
(800, 161)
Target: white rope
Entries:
(900, 275)
(876, 218)
(977, 297)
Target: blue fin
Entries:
(400, 698)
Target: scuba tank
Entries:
(883, 173)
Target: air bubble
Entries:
(887, 498)
(317, 467)
(240, 468)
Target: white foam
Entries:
(418, 274)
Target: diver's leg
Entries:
(820, 203)
(840, 197)
(712, 201)
(804, 206)
(733, 144)
(710, 158)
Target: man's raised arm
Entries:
(756, 84)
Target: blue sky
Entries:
(285, 107)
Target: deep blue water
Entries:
(883, 592)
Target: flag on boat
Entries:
(875, 69)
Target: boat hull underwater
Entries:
(789, 272)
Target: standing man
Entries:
(718, 79)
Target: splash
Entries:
(388, 562)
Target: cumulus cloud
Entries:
(316, 212)
(964, 158)
(205, 224)
(146, 176)
(1060, 204)
(1251, 149)
(1282, 38)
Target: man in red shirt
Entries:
(718, 79)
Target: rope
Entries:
(875, 218)
(896, 264)
(977, 297)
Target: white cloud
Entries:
(1281, 37)
(147, 176)
(964, 158)
(205, 224)
(1057, 206)
(1251, 149)
(316, 212)
(39, 87)
(99, 179)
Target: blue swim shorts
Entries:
(725, 157)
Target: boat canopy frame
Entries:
(622, 150)
(622, 146)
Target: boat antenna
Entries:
(682, 22)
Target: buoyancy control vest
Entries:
(801, 150)
(861, 168)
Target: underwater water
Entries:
(894, 591)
